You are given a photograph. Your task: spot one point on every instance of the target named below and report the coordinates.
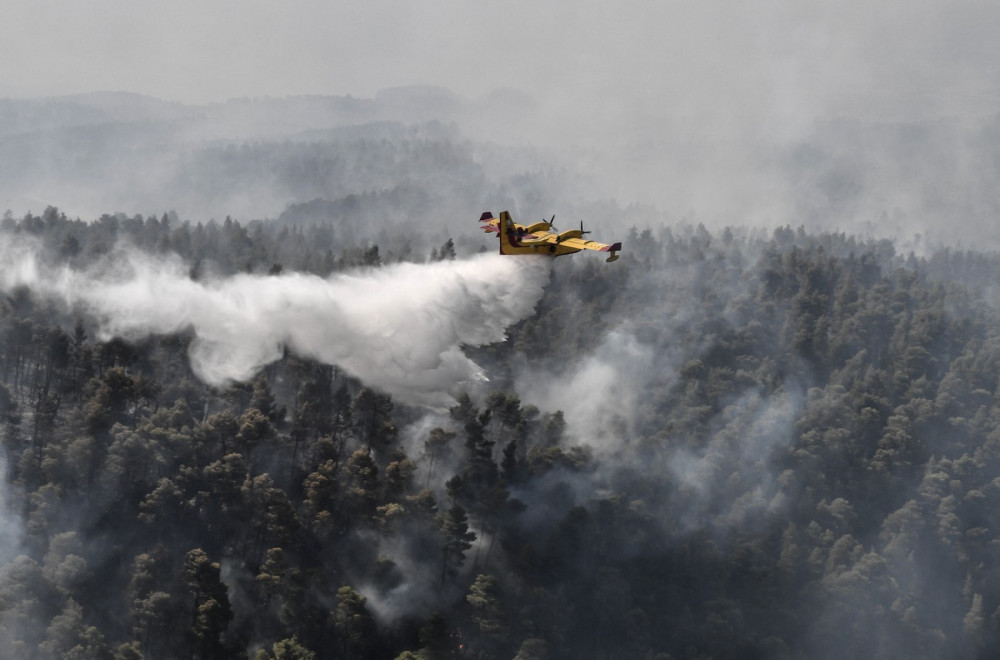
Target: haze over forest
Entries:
(267, 391)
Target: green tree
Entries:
(457, 539)
(220, 429)
(254, 429)
(436, 448)
(286, 649)
(372, 415)
(321, 491)
(533, 649)
(264, 401)
(354, 624)
(67, 637)
(272, 520)
(361, 492)
(489, 613)
(206, 605)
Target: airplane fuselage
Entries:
(540, 239)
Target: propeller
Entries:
(551, 225)
(584, 233)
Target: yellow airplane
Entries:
(541, 238)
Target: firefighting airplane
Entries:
(540, 238)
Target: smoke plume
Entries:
(400, 328)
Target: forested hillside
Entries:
(423, 153)
(408, 153)
(725, 445)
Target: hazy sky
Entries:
(707, 59)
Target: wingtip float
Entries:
(541, 237)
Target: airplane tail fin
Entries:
(504, 226)
(508, 234)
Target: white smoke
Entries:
(400, 328)
(602, 393)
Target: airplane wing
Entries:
(576, 243)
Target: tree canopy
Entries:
(724, 445)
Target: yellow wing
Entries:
(572, 241)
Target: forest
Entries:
(734, 442)
(728, 444)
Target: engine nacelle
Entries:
(569, 233)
